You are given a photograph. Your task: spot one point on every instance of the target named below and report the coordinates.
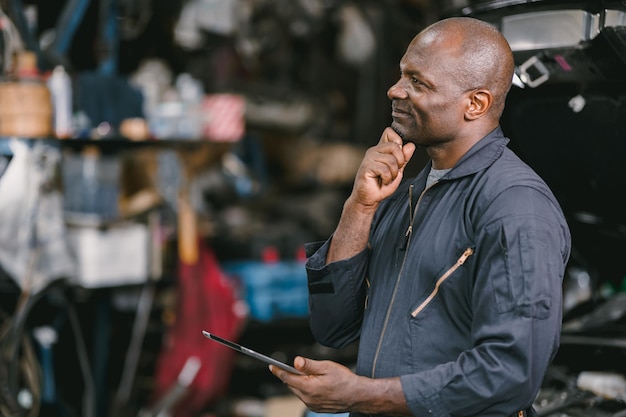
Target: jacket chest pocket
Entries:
(417, 309)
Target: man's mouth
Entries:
(399, 111)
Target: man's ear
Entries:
(479, 104)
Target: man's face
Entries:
(427, 102)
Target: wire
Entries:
(32, 373)
(29, 364)
(11, 340)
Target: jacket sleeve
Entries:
(337, 294)
(521, 254)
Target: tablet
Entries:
(252, 353)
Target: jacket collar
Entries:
(480, 156)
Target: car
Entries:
(566, 117)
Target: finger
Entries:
(307, 366)
(278, 373)
(386, 172)
(301, 364)
(387, 153)
(391, 143)
(390, 135)
(408, 150)
(387, 166)
(285, 376)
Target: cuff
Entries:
(429, 404)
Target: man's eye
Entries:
(415, 80)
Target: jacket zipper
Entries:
(395, 289)
(409, 230)
(468, 252)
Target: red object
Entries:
(270, 255)
(301, 254)
(207, 301)
(224, 117)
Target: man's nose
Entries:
(397, 92)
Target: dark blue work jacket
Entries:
(459, 290)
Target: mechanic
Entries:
(451, 281)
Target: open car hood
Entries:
(566, 117)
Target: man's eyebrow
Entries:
(409, 71)
(413, 72)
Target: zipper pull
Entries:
(466, 254)
(410, 229)
(407, 236)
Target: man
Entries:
(451, 281)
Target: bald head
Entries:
(482, 57)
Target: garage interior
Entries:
(210, 139)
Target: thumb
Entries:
(308, 366)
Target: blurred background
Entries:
(163, 162)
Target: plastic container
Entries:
(91, 187)
(60, 86)
(272, 288)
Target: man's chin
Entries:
(399, 131)
(405, 138)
